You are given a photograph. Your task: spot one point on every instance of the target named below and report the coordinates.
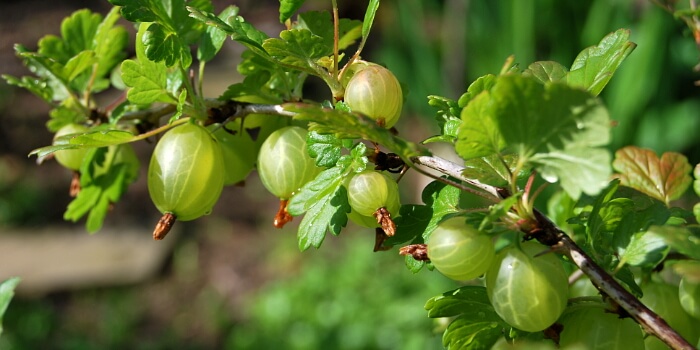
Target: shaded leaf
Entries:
(665, 179)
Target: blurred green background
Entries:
(230, 280)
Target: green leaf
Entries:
(319, 23)
(213, 39)
(448, 112)
(7, 291)
(324, 185)
(326, 149)
(477, 325)
(645, 249)
(163, 45)
(38, 87)
(353, 126)
(696, 183)
(78, 34)
(110, 43)
(147, 79)
(558, 128)
(90, 139)
(665, 179)
(443, 200)
(411, 224)
(288, 8)
(370, 13)
(479, 135)
(298, 48)
(483, 83)
(137, 10)
(547, 72)
(458, 301)
(329, 213)
(631, 228)
(236, 26)
(680, 239)
(594, 66)
(494, 170)
(104, 177)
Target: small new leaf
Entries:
(665, 178)
(594, 66)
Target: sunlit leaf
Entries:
(594, 66)
(665, 178)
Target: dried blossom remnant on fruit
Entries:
(383, 217)
(282, 217)
(163, 226)
(74, 185)
(417, 251)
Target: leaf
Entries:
(90, 139)
(494, 170)
(478, 135)
(594, 66)
(319, 23)
(370, 13)
(349, 125)
(330, 213)
(412, 222)
(147, 79)
(483, 83)
(448, 118)
(645, 250)
(696, 183)
(163, 45)
(558, 128)
(547, 72)
(665, 179)
(443, 200)
(477, 325)
(213, 38)
(38, 87)
(7, 288)
(288, 8)
(324, 185)
(680, 239)
(632, 228)
(326, 149)
(104, 177)
(298, 48)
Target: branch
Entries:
(548, 233)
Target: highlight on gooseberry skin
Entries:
(528, 292)
(284, 166)
(375, 92)
(186, 174)
(459, 251)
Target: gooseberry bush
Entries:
(610, 220)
